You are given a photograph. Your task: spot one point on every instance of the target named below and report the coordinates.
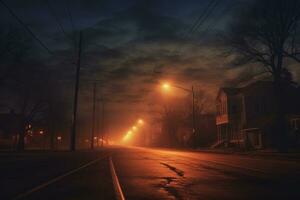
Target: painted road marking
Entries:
(27, 193)
(117, 187)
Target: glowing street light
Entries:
(127, 136)
(133, 129)
(166, 86)
(140, 121)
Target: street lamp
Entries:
(166, 86)
(127, 136)
(140, 121)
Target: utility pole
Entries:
(102, 123)
(94, 114)
(74, 118)
(193, 105)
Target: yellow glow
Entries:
(127, 136)
(166, 86)
(134, 128)
(141, 122)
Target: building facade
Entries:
(245, 115)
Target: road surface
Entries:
(165, 174)
(145, 173)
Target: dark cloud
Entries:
(131, 46)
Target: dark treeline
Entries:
(29, 91)
(176, 121)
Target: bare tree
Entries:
(171, 119)
(26, 94)
(201, 102)
(267, 33)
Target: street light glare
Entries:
(134, 128)
(166, 86)
(141, 122)
(127, 136)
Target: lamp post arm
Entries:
(182, 88)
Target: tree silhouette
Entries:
(267, 33)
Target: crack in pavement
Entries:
(171, 190)
(166, 184)
(174, 169)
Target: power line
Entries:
(208, 28)
(200, 17)
(26, 27)
(53, 13)
(69, 13)
(70, 16)
(208, 13)
(199, 21)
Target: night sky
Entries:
(131, 46)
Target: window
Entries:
(219, 109)
(224, 107)
(295, 124)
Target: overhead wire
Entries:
(197, 21)
(207, 15)
(26, 27)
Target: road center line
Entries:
(39, 187)
(117, 186)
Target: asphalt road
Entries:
(166, 174)
(55, 175)
(145, 173)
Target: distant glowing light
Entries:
(127, 136)
(133, 129)
(140, 121)
(166, 86)
(41, 132)
(95, 138)
(59, 138)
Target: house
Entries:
(245, 115)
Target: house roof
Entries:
(228, 90)
(256, 86)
